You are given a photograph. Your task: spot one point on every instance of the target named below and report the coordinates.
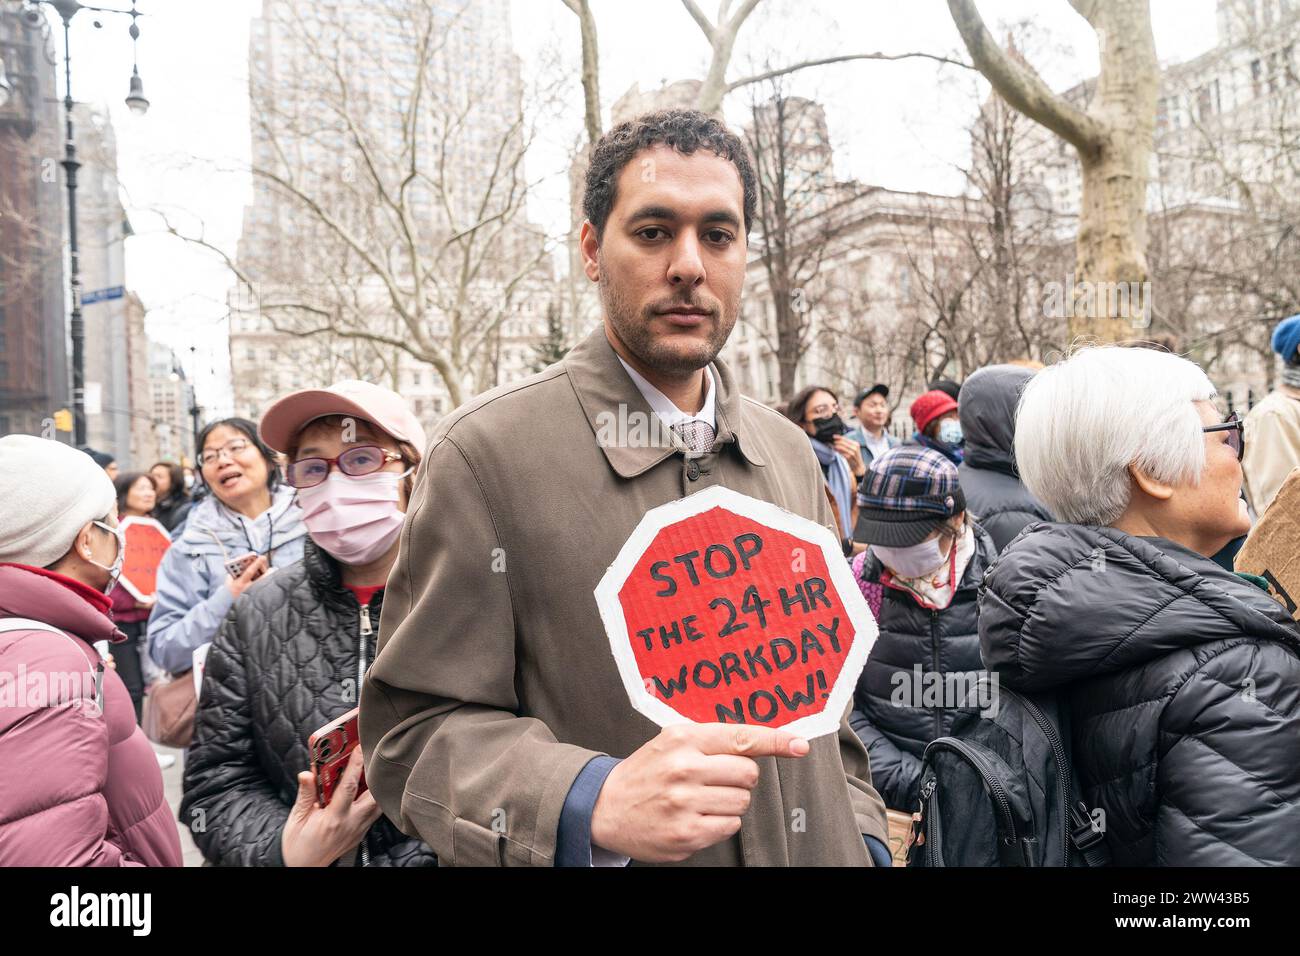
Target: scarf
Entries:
(1291, 375)
(954, 453)
(839, 479)
(936, 591)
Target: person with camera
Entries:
(816, 410)
(291, 654)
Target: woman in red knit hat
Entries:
(937, 424)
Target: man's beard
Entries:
(633, 329)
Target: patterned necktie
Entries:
(697, 435)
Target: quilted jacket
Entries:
(1183, 685)
(80, 785)
(895, 728)
(288, 660)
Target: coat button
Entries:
(692, 470)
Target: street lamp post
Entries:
(67, 9)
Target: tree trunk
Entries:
(1112, 240)
(1114, 140)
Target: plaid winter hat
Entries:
(907, 493)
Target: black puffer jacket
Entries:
(947, 642)
(1183, 684)
(994, 492)
(285, 663)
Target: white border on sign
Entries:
(124, 524)
(765, 513)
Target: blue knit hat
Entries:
(1286, 338)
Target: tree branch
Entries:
(773, 74)
(590, 69)
(1022, 87)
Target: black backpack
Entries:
(1000, 791)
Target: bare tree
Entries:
(721, 34)
(800, 214)
(1113, 138)
(396, 173)
(1226, 234)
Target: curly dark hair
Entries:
(683, 130)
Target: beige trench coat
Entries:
(494, 683)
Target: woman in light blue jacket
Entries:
(248, 514)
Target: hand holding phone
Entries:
(317, 836)
(244, 571)
(330, 749)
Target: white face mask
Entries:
(115, 571)
(914, 561)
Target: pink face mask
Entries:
(355, 519)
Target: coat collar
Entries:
(602, 386)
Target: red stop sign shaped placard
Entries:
(724, 608)
(146, 543)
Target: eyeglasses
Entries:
(1234, 427)
(824, 410)
(355, 462)
(232, 448)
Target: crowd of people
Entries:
(1068, 528)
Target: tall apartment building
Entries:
(118, 418)
(303, 121)
(171, 401)
(34, 377)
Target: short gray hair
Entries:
(1083, 421)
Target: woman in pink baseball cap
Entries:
(292, 654)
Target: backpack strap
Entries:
(9, 624)
(1087, 839)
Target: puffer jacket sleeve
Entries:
(188, 613)
(59, 815)
(895, 773)
(1228, 785)
(231, 808)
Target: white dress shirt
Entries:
(663, 406)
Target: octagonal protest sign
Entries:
(146, 543)
(721, 608)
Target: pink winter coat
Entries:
(77, 787)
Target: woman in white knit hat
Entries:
(84, 788)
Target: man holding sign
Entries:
(496, 721)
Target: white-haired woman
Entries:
(1182, 679)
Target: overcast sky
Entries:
(898, 124)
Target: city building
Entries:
(321, 275)
(1220, 199)
(34, 371)
(172, 406)
(118, 419)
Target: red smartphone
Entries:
(330, 748)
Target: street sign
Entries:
(146, 543)
(101, 295)
(721, 608)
